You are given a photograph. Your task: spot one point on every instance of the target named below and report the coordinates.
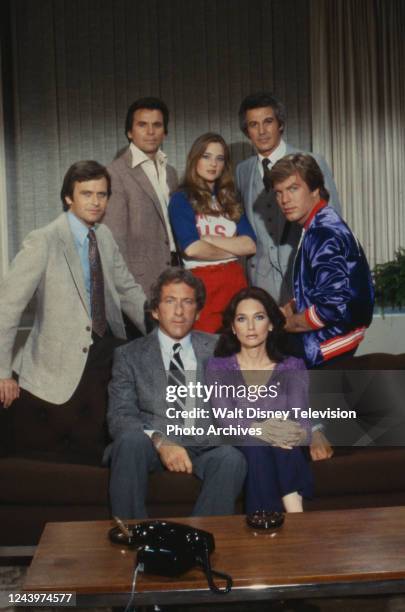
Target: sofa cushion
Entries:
(357, 471)
(169, 487)
(25, 481)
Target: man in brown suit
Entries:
(142, 182)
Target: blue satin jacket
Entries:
(332, 285)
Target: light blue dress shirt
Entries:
(186, 352)
(80, 236)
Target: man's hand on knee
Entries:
(9, 391)
(320, 447)
(175, 458)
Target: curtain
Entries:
(78, 64)
(358, 113)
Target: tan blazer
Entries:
(134, 215)
(52, 360)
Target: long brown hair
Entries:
(198, 191)
(277, 345)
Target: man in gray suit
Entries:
(81, 284)
(142, 182)
(262, 119)
(138, 414)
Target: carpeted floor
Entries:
(11, 579)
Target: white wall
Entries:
(385, 335)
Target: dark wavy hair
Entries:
(177, 275)
(149, 103)
(196, 188)
(276, 344)
(88, 170)
(306, 166)
(261, 99)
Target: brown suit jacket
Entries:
(135, 218)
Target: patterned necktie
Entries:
(96, 287)
(176, 375)
(266, 173)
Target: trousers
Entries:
(221, 469)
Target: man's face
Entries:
(295, 199)
(89, 200)
(177, 310)
(147, 132)
(263, 129)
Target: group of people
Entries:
(266, 261)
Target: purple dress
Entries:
(272, 472)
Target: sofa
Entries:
(50, 463)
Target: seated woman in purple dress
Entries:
(251, 355)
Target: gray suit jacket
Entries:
(52, 360)
(271, 267)
(134, 215)
(137, 391)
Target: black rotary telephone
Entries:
(170, 549)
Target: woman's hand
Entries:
(202, 249)
(235, 245)
(284, 434)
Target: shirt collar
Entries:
(79, 229)
(321, 204)
(275, 155)
(166, 343)
(139, 157)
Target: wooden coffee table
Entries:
(315, 554)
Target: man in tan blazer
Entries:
(142, 182)
(63, 352)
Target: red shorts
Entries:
(221, 282)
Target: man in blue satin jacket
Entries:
(333, 291)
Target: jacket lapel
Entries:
(72, 259)
(107, 261)
(172, 179)
(139, 176)
(153, 361)
(253, 181)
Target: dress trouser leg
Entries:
(133, 456)
(222, 470)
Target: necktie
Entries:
(96, 287)
(176, 375)
(266, 174)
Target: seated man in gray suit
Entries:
(81, 284)
(137, 412)
(262, 119)
(142, 182)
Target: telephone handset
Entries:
(166, 548)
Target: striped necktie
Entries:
(176, 375)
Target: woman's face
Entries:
(251, 323)
(211, 164)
